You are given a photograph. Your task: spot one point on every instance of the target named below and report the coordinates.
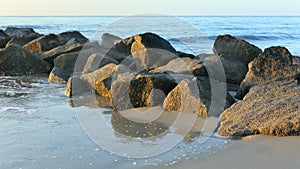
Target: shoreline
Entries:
(251, 152)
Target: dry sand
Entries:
(256, 152)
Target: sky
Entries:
(133, 7)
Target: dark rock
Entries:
(185, 55)
(23, 40)
(97, 61)
(55, 52)
(76, 87)
(58, 75)
(75, 35)
(142, 85)
(231, 47)
(279, 53)
(296, 60)
(4, 39)
(14, 60)
(18, 32)
(268, 109)
(45, 43)
(108, 40)
(235, 71)
(195, 96)
(267, 68)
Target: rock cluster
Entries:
(146, 71)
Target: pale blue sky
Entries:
(131, 7)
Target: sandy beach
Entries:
(259, 152)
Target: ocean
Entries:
(263, 31)
(39, 126)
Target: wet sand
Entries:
(256, 152)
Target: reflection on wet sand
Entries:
(148, 123)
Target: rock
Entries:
(120, 94)
(96, 61)
(151, 51)
(18, 32)
(55, 52)
(231, 47)
(76, 87)
(185, 55)
(297, 77)
(4, 39)
(58, 75)
(143, 83)
(108, 40)
(184, 66)
(267, 68)
(75, 61)
(235, 71)
(268, 109)
(23, 40)
(14, 60)
(195, 96)
(101, 79)
(75, 35)
(296, 60)
(48, 42)
(45, 43)
(148, 50)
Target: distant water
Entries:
(261, 31)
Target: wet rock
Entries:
(185, 55)
(237, 49)
(195, 96)
(267, 68)
(76, 87)
(108, 40)
(268, 109)
(14, 60)
(142, 85)
(58, 75)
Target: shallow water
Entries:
(39, 128)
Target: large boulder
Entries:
(101, 79)
(55, 52)
(231, 47)
(45, 43)
(184, 66)
(275, 64)
(23, 40)
(195, 96)
(109, 40)
(148, 50)
(235, 71)
(51, 41)
(58, 75)
(143, 84)
(75, 61)
(18, 32)
(268, 109)
(14, 60)
(75, 35)
(97, 61)
(77, 88)
(4, 39)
